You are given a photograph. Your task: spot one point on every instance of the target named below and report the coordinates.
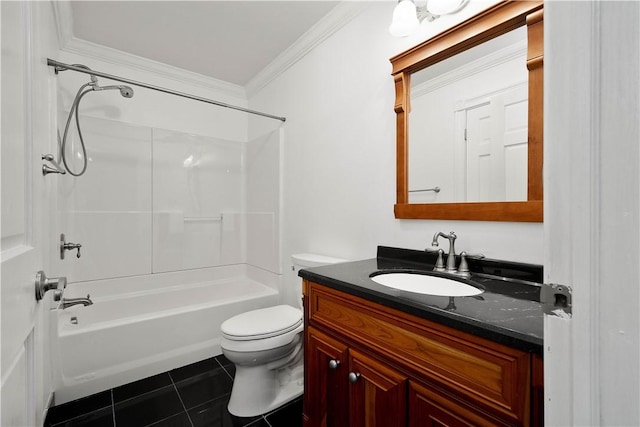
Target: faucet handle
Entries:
(68, 246)
(440, 261)
(474, 256)
(463, 268)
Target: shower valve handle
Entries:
(68, 246)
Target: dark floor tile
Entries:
(100, 418)
(148, 408)
(78, 407)
(214, 413)
(137, 388)
(202, 388)
(227, 364)
(258, 423)
(289, 415)
(184, 372)
(222, 359)
(180, 420)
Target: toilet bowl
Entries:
(265, 345)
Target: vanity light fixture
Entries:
(408, 15)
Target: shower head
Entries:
(125, 91)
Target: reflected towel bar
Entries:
(434, 189)
(59, 66)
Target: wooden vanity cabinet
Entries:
(350, 388)
(369, 365)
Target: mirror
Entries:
(473, 147)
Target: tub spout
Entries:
(68, 302)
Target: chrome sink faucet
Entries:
(451, 257)
(68, 302)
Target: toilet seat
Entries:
(262, 323)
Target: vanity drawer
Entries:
(486, 374)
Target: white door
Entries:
(497, 147)
(21, 225)
(479, 154)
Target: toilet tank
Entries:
(310, 260)
(313, 260)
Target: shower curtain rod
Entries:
(59, 66)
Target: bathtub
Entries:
(144, 325)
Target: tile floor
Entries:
(191, 396)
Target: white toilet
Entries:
(266, 347)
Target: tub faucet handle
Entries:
(68, 246)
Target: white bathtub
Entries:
(141, 326)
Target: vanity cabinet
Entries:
(350, 388)
(367, 364)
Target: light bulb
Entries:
(405, 19)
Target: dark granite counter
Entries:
(509, 311)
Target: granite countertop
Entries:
(509, 311)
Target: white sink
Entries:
(425, 284)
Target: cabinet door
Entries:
(377, 393)
(430, 407)
(326, 387)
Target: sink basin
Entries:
(426, 284)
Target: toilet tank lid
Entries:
(314, 260)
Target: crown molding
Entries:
(118, 57)
(485, 63)
(71, 44)
(337, 18)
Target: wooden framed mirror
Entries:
(495, 23)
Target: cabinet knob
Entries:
(354, 377)
(333, 364)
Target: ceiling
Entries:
(227, 40)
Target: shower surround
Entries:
(178, 232)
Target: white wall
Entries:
(339, 153)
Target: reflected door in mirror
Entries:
(468, 127)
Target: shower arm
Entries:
(59, 66)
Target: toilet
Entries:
(265, 345)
